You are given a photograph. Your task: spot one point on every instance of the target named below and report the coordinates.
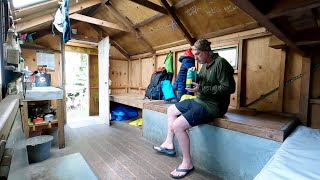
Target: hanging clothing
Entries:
(66, 21)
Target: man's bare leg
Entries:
(172, 114)
(180, 125)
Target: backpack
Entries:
(154, 90)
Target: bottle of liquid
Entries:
(11, 50)
(191, 77)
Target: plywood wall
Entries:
(29, 56)
(262, 73)
(292, 91)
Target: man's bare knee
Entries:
(173, 111)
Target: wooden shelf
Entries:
(315, 101)
(43, 125)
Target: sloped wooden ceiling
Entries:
(153, 24)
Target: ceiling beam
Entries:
(293, 10)
(49, 17)
(252, 11)
(175, 18)
(151, 5)
(112, 42)
(129, 24)
(96, 21)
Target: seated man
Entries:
(216, 83)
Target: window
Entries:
(18, 4)
(229, 53)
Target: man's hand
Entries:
(195, 89)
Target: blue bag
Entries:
(167, 90)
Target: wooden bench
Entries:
(236, 146)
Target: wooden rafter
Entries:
(293, 10)
(252, 11)
(96, 21)
(151, 5)
(174, 17)
(112, 42)
(49, 17)
(129, 24)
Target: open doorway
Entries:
(77, 79)
(78, 90)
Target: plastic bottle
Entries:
(191, 77)
(11, 49)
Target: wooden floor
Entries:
(116, 152)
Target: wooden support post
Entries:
(62, 83)
(304, 92)
(25, 120)
(128, 77)
(140, 78)
(239, 67)
(281, 80)
(60, 124)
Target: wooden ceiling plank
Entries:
(129, 24)
(148, 20)
(112, 42)
(234, 29)
(49, 17)
(119, 48)
(292, 11)
(150, 5)
(252, 11)
(175, 18)
(96, 21)
(179, 5)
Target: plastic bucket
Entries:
(38, 148)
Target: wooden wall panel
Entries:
(147, 70)
(262, 68)
(85, 29)
(118, 73)
(93, 85)
(29, 56)
(160, 60)
(135, 71)
(292, 91)
(315, 115)
(315, 78)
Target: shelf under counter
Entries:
(43, 125)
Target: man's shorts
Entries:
(194, 112)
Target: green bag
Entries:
(169, 63)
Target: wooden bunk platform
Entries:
(265, 125)
(133, 100)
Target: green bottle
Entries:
(191, 77)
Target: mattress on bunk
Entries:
(297, 158)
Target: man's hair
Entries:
(202, 45)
